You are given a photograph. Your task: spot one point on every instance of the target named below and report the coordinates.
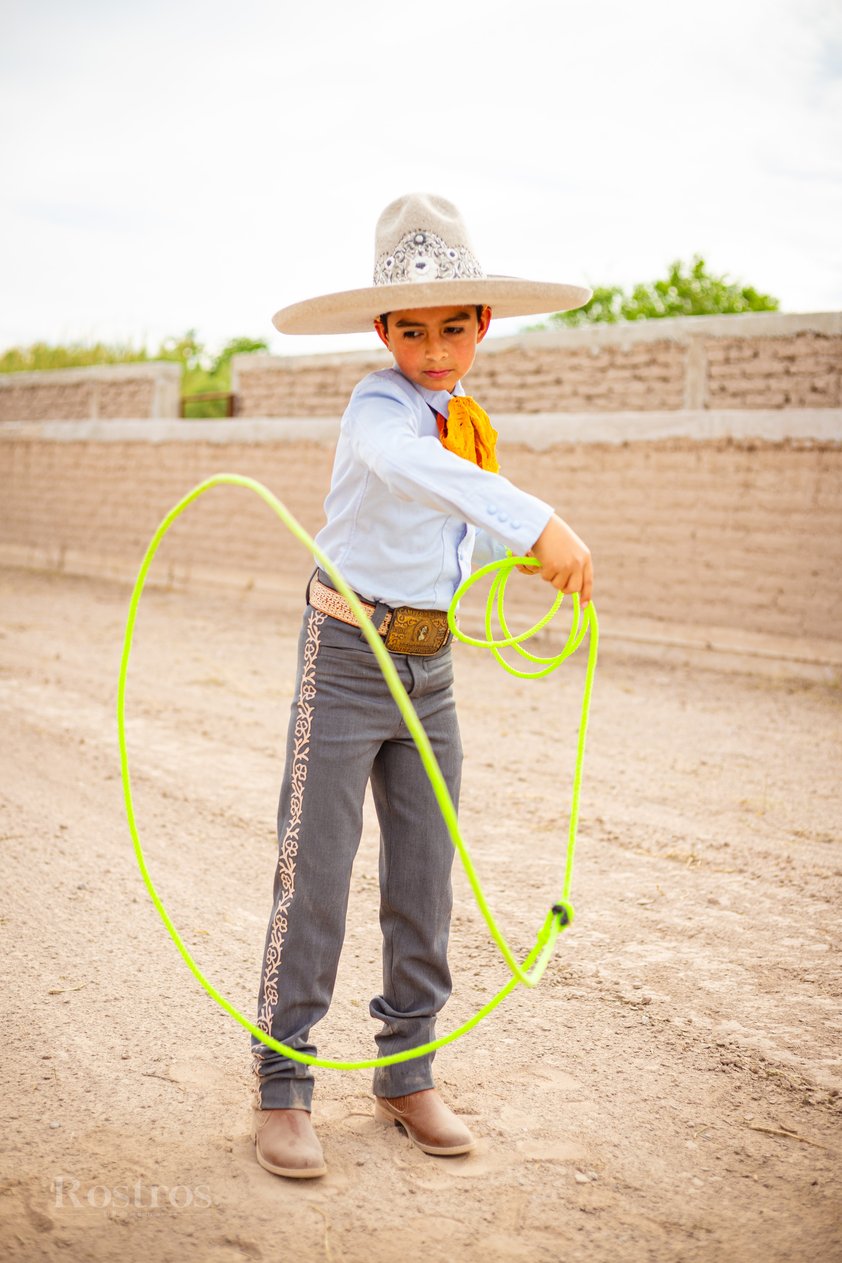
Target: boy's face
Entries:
(434, 346)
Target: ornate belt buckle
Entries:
(419, 632)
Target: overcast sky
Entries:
(196, 164)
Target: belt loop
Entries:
(380, 612)
(309, 583)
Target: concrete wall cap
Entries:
(538, 431)
(154, 369)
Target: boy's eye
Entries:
(455, 329)
(411, 334)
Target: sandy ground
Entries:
(669, 1092)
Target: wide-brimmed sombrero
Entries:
(423, 258)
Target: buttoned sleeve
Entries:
(385, 432)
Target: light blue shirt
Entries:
(403, 512)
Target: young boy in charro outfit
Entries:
(414, 479)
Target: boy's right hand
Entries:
(565, 559)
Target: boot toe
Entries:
(286, 1144)
(428, 1122)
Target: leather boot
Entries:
(429, 1123)
(285, 1144)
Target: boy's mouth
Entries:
(438, 372)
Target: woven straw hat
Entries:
(423, 258)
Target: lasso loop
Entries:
(529, 971)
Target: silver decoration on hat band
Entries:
(424, 256)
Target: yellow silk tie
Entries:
(469, 433)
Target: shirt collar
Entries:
(439, 400)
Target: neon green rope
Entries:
(530, 970)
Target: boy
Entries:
(415, 476)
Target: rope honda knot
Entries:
(564, 912)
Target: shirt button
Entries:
(515, 526)
(491, 508)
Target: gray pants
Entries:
(346, 730)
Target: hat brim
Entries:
(355, 310)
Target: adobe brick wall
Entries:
(106, 391)
(754, 361)
(611, 377)
(725, 534)
(802, 371)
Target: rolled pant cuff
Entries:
(402, 1079)
(285, 1094)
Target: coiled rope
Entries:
(529, 971)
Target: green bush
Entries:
(201, 372)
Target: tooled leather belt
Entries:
(404, 630)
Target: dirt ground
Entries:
(669, 1092)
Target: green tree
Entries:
(688, 289)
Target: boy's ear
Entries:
(381, 333)
(483, 323)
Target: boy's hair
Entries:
(384, 319)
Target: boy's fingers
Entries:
(587, 585)
(584, 585)
(557, 578)
(562, 580)
(579, 579)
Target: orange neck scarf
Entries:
(469, 433)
